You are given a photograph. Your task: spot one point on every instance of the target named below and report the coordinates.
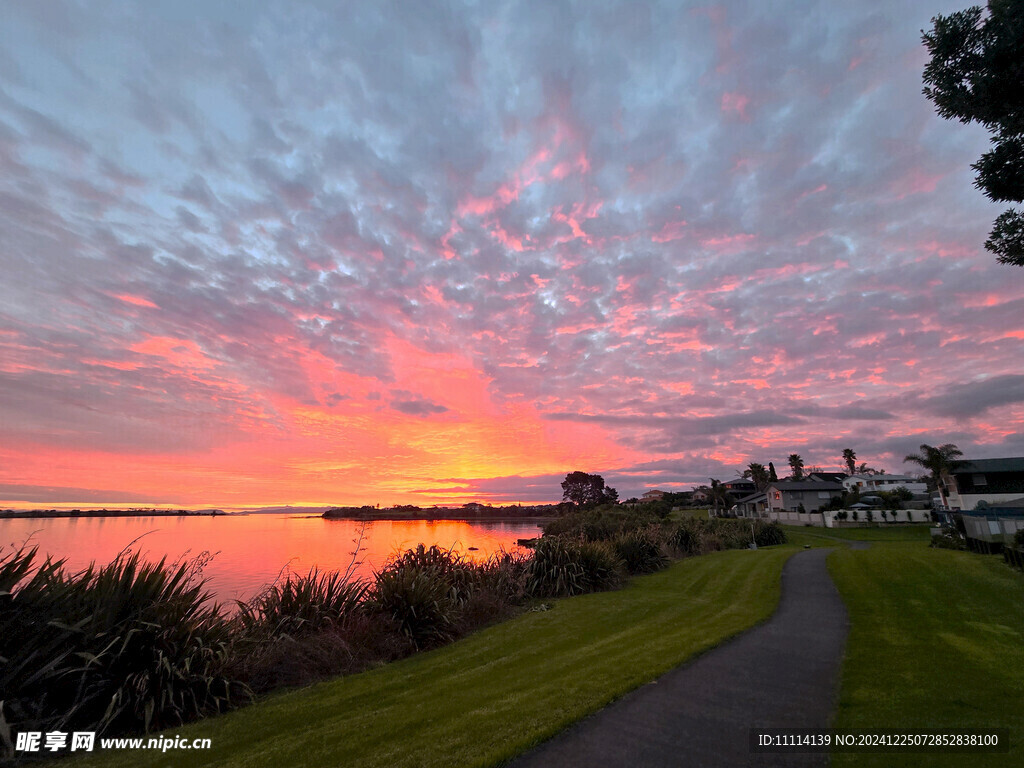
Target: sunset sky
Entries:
(313, 253)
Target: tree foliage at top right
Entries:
(976, 74)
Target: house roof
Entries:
(811, 485)
(829, 476)
(1013, 464)
(752, 497)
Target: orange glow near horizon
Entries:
(359, 451)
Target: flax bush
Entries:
(641, 551)
(300, 605)
(125, 647)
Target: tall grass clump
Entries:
(697, 537)
(125, 647)
(602, 566)
(422, 591)
(768, 534)
(641, 551)
(503, 576)
(556, 569)
(300, 605)
(600, 523)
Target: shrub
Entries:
(640, 551)
(125, 647)
(730, 534)
(602, 523)
(768, 534)
(422, 591)
(420, 602)
(364, 640)
(685, 538)
(300, 605)
(503, 575)
(949, 538)
(556, 569)
(602, 566)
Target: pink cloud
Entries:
(736, 103)
(138, 301)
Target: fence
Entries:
(1013, 556)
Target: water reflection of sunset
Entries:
(250, 551)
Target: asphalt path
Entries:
(783, 674)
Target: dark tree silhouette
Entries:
(975, 75)
(586, 490)
(850, 459)
(796, 466)
(759, 474)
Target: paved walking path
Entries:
(783, 673)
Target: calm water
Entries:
(250, 551)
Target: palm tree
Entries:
(796, 464)
(940, 462)
(718, 495)
(850, 459)
(759, 474)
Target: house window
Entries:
(778, 495)
(824, 495)
(978, 480)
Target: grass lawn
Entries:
(936, 641)
(697, 513)
(835, 537)
(501, 690)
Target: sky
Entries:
(349, 253)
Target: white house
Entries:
(985, 480)
(876, 483)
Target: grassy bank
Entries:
(837, 537)
(936, 641)
(501, 690)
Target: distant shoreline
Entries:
(34, 514)
(430, 516)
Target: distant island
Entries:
(9, 514)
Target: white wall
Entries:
(829, 520)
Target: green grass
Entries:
(698, 513)
(936, 641)
(837, 537)
(498, 692)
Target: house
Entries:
(653, 495)
(875, 483)
(826, 477)
(985, 480)
(741, 486)
(803, 495)
(752, 505)
(990, 528)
